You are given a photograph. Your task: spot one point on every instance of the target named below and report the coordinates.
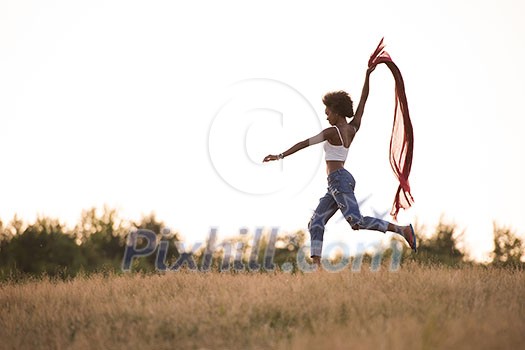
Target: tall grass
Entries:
(413, 308)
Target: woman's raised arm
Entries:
(356, 122)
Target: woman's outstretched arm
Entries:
(322, 136)
(356, 122)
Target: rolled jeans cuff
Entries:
(316, 248)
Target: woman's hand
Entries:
(270, 157)
(370, 69)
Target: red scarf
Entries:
(402, 139)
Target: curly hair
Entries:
(339, 102)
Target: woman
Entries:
(341, 184)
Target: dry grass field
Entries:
(413, 308)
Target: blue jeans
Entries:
(340, 196)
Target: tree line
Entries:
(98, 241)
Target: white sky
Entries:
(169, 107)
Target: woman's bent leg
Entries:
(341, 185)
(350, 208)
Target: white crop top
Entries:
(333, 152)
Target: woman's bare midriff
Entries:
(333, 165)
